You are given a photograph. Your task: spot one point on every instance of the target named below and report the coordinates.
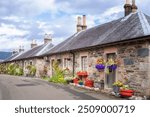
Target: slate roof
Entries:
(129, 27)
(5, 55)
(34, 52)
(13, 56)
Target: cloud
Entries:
(24, 20)
(11, 30)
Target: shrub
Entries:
(2, 68)
(14, 69)
(11, 69)
(58, 76)
(32, 70)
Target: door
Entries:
(111, 77)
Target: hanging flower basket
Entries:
(100, 64)
(100, 67)
(111, 65)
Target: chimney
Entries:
(128, 8)
(134, 7)
(79, 25)
(21, 49)
(14, 52)
(84, 26)
(33, 44)
(47, 38)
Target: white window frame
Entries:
(83, 63)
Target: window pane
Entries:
(84, 63)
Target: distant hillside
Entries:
(4, 55)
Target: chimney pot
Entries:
(128, 8)
(127, 1)
(134, 7)
(79, 21)
(84, 26)
(14, 52)
(47, 38)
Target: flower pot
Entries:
(89, 83)
(80, 83)
(75, 81)
(116, 89)
(126, 93)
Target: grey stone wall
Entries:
(134, 65)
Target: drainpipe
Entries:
(73, 67)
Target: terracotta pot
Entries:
(89, 83)
(75, 81)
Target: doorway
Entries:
(111, 77)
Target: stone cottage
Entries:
(32, 56)
(127, 39)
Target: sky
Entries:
(21, 21)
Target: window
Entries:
(84, 64)
(25, 64)
(31, 63)
(66, 63)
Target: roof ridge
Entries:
(46, 45)
(144, 23)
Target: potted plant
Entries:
(111, 65)
(75, 80)
(126, 91)
(82, 73)
(80, 82)
(89, 83)
(100, 64)
(117, 85)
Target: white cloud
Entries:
(11, 30)
(13, 43)
(24, 20)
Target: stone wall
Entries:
(134, 65)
